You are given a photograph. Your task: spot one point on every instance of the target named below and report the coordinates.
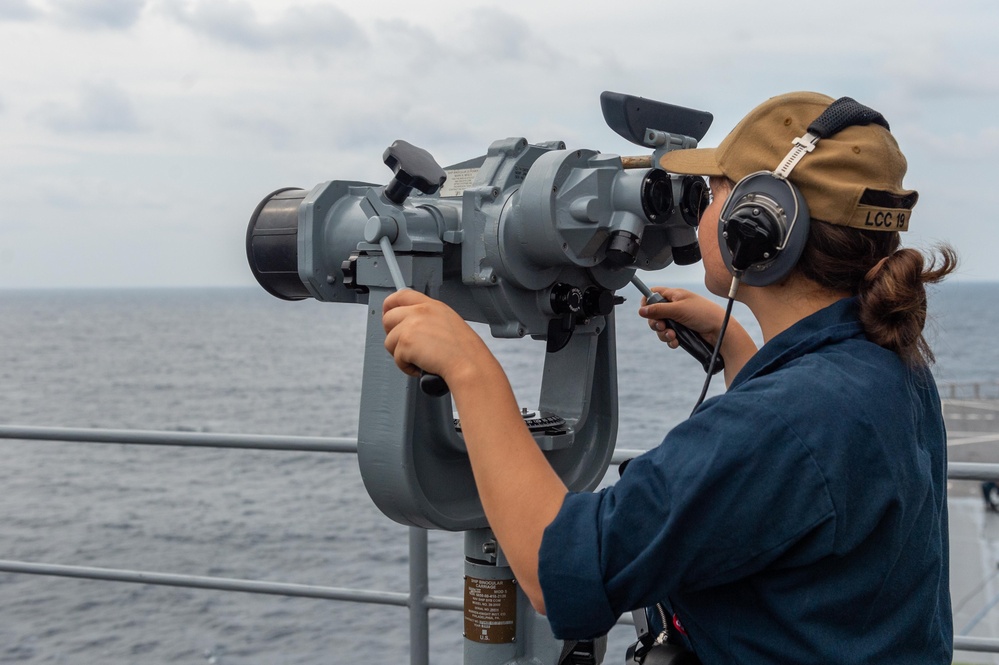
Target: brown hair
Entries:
(889, 282)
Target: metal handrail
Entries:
(418, 599)
(969, 389)
(312, 444)
(309, 444)
(224, 584)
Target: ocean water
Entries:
(239, 361)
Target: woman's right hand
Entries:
(703, 317)
(686, 308)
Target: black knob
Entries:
(566, 299)
(349, 270)
(414, 168)
(597, 301)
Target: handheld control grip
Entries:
(689, 341)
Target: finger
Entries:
(395, 345)
(403, 298)
(657, 326)
(662, 310)
(402, 305)
(671, 294)
(395, 315)
(667, 335)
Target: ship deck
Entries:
(973, 436)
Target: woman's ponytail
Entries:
(892, 298)
(890, 283)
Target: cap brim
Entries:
(696, 161)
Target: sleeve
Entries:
(729, 491)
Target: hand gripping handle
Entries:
(431, 384)
(689, 341)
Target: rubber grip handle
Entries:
(695, 345)
(433, 385)
(690, 341)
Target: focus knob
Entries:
(566, 299)
(597, 301)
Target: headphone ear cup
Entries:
(762, 228)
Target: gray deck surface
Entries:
(973, 436)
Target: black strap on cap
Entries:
(843, 113)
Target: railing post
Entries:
(419, 590)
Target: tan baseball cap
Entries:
(852, 178)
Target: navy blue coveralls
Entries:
(800, 517)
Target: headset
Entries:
(764, 224)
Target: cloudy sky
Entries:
(137, 136)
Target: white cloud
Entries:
(18, 10)
(213, 103)
(311, 28)
(112, 14)
(100, 108)
(499, 36)
(969, 146)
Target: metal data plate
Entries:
(490, 610)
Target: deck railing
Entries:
(418, 600)
(969, 389)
